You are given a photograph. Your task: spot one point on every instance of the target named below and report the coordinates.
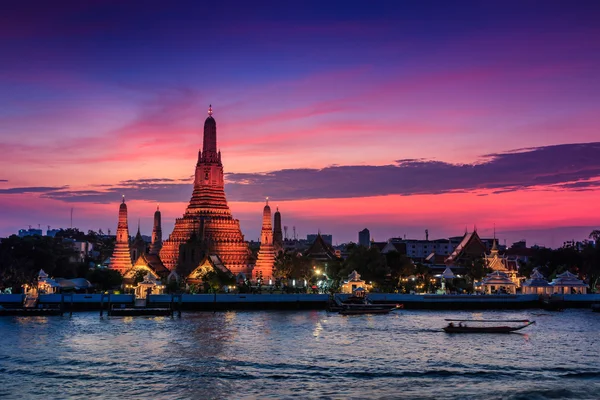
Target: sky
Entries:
(394, 116)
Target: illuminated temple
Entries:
(207, 226)
(266, 255)
(121, 257)
(206, 231)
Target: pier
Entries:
(223, 302)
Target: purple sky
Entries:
(396, 116)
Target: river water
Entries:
(302, 354)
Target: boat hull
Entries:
(483, 329)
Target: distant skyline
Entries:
(394, 116)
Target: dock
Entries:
(239, 301)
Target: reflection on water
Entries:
(298, 354)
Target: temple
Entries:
(156, 233)
(263, 270)
(469, 248)
(207, 226)
(121, 257)
(497, 262)
(205, 237)
(277, 233)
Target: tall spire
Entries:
(208, 210)
(121, 257)
(266, 254)
(209, 145)
(277, 234)
(156, 244)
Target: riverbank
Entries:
(219, 302)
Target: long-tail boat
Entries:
(463, 328)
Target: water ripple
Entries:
(298, 355)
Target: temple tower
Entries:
(208, 208)
(156, 233)
(277, 233)
(121, 257)
(139, 246)
(266, 254)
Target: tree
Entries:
(591, 261)
(399, 265)
(369, 263)
(105, 279)
(476, 268)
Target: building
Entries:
(205, 236)
(419, 250)
(354, 283)
(157, 241)
(121, 257)
(568, 283)
(497, 262)
(29, 232)
(277, 233)
(52, 232)
(265, 261)
(207, 226)
(310, 238)
(321, 251)
(364, 238)
(536, 284)
(83, 250)
(498, 282)
(471, 247)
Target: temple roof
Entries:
(354, 277)
(468, 240)
(320, 250)
(152, 261)
(379, 245)
(536, 280)
(567, 279)
(497, 278)
(448, 274)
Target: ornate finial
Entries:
(157, 206)
(138, 226)
(267, 200)
(210, 110)
(277, 208)
(123, 199)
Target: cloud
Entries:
(560, 167)
(3, 180)
(35, 189)
(149, 189)
(571, 164)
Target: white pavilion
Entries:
(568, 283)
(148, 286)
(497, 282)
(536, 284)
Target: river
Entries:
(302, 354)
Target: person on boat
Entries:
(460, 324)
(450, 325)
